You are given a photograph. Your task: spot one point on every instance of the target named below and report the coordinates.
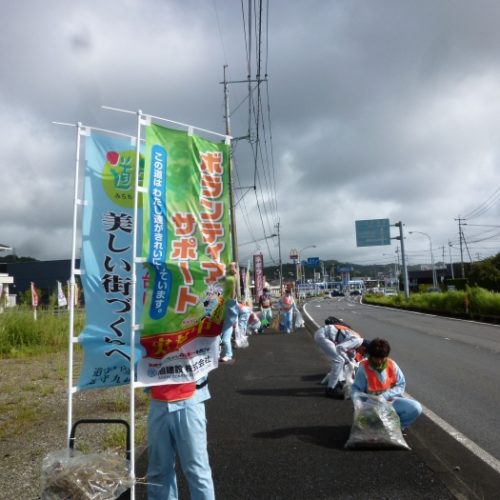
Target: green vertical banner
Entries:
(187, 246)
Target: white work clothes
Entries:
(243, 317)
(253, 324)
(335, 344)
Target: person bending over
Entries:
(339, 342)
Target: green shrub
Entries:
(483, 303)
(472, 302)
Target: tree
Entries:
(486, 274)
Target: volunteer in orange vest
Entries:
(380, 375)
(287, 305)
(177, 426)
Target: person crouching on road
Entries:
(287, 305)
(337, 341)
(177, 426)
(380, 375)
(254, 325)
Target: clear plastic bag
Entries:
(240, 340)
(376, 425)
(349, 372)
(299, 320)
(75, 476)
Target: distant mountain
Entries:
(9, 259)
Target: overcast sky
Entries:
(377, 109)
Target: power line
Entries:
(485, 206)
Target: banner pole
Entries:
(72, 283)
(181, 124)
(133, 326)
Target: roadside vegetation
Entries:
(33, 386)
(21, 335)
(472, 303)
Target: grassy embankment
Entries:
(22, 336)
(39, 342)
(472, 303)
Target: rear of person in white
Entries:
(337, 341)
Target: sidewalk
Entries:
(274, 435)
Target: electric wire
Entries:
(214, 2)
(485, 206)
(264, 184)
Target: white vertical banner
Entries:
(61, 298)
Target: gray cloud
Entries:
(378, 109)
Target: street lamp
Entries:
(300, 263)
(434, 278)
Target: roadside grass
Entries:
(113, 437)
(474, 303)
(34, 360)
(19, 411)
(34, 398)
(23, 336)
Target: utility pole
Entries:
(249, 69)
(460, 234)
(234, 239)
(451, 261)
(280, 261)
(401, 238)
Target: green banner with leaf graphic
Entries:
(187, 245)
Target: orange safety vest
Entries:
(374, 384)
(287, 302)
(173, 392)
(340, 327)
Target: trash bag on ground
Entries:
(240, 339)
(75, 476)
(376, 425)
(299, 320)
(349, 372)
(275, 322)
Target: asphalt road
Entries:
(451, 366)
(272, 434)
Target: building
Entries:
(45, 275)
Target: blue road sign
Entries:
(373, 232)
(345, 269)
(313, 261)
